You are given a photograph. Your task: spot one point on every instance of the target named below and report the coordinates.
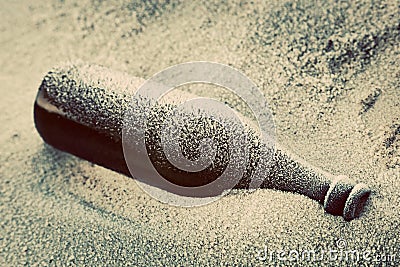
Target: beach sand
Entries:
(329, 71)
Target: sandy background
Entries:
(330, 72)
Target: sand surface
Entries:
(330, 72)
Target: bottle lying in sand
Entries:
(80, 109)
